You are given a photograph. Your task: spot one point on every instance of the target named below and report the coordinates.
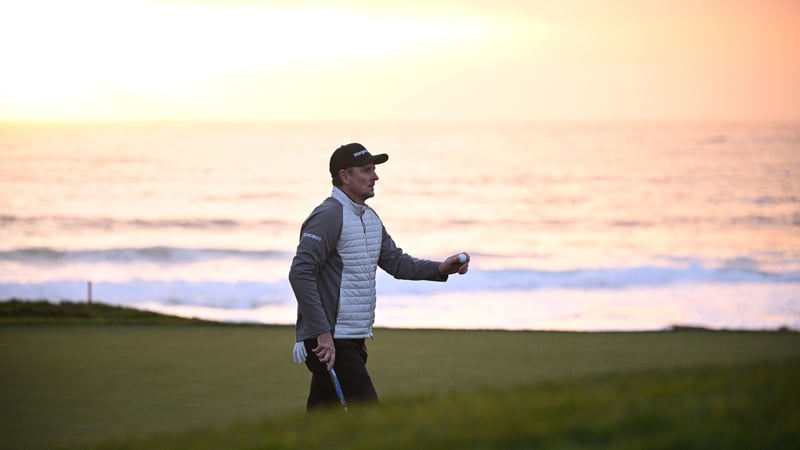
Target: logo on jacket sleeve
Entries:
(312, 236)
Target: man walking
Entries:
(342, 243)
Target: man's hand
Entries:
(453, 265)
(325, 350)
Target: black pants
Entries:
(351, 368)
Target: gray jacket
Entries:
(333, 271)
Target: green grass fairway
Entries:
(82, 382)
(78, 383)
(750, 406)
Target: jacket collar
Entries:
(339, 195)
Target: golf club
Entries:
(336, 385)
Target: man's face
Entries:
(359, 182)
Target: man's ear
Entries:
(344, 176)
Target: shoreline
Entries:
(736, 306)
(17, 311)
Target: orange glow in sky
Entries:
(381, 60)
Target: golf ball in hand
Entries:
(462, 258)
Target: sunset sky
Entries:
(118, 60)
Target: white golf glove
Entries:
(299, 352)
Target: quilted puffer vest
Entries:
(359, 247)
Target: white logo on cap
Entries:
(357, 154)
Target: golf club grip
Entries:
(338, 388)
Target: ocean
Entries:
(570, 226)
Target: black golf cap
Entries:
(352, 155)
